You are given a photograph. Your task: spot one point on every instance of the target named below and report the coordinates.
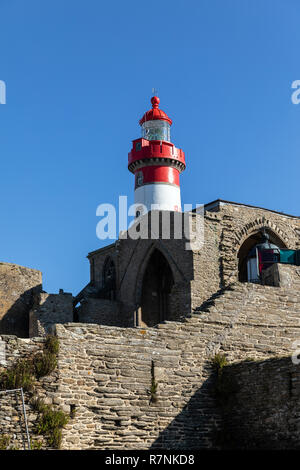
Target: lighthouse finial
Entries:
(155, 102)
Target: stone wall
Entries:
(260, 405)
(238, 222)
(12, 421)
(226, 227)
(100, 311)
(282, 275)
(105, 374)
(49, 309)
(97, 259)
(17, 288)
(206, 262)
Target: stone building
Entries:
(159, 309)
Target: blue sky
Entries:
(79, 75)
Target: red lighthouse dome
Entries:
(155, 113)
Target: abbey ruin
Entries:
(135, 368)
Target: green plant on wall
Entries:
(20, 375)
(4, 441)
(23, 374)
(219, 361)
(154, 385)
(52, 344)
(50, 423)
(46, 361)
(35, 445)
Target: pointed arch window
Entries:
(109, 279)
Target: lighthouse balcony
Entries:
(159, 150)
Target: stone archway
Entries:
(247, 245)
(255, 226)
(157, 284)
(236, 235)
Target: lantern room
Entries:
(155, 123)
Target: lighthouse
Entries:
(156, 163)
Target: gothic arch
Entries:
(157, 281)
(178, 275)
(229, 261)
(255, 226)
(109, 279)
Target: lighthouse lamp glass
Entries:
(156, 130)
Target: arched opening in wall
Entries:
(156, 289)
(247, 259)
(109, 279)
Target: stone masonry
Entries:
(18, 285)
(49, 309)
(108, 361)
(105, 373)
(198, 273)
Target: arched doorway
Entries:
(247, 248)
(109, 280)
(156, 288)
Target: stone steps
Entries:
(248, 298)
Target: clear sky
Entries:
(79, 75)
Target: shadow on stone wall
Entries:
(196, 426)
(252, 405)
(16, 320)
(260, 405)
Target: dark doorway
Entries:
(157, 285)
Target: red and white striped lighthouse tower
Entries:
(156, 163)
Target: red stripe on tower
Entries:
(156, 174)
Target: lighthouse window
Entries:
(156, 130)
(138, 146)
(139, 178)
